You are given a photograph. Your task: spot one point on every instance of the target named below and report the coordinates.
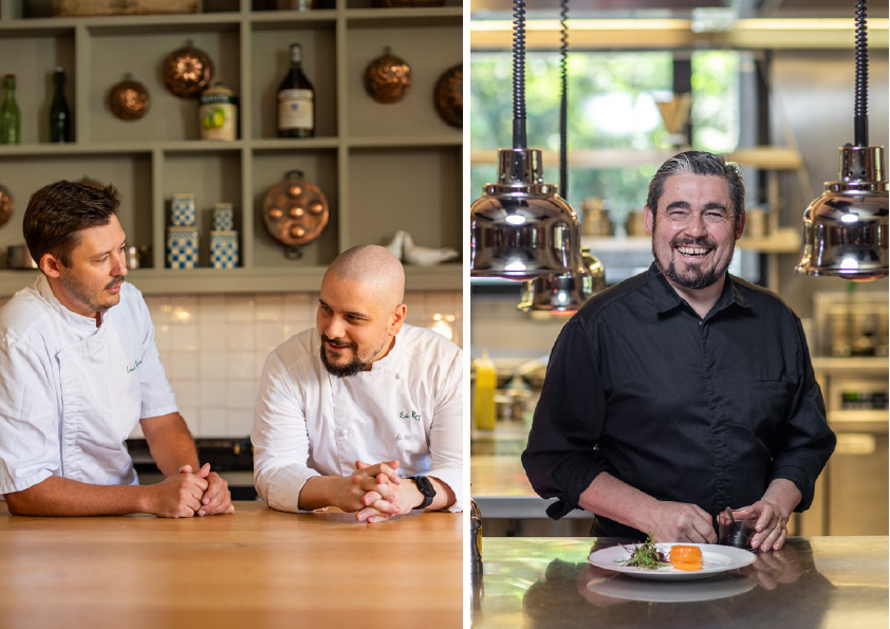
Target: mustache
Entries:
(337, 344)
(117, 281)
(693, 242)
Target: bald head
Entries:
(375, 267)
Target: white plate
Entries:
(720, 586)
(715, 559)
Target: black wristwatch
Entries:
(426, 488)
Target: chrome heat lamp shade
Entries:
(845, 230)
(564, 294)
(520, 228)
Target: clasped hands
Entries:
(377, 492)
(191, 493)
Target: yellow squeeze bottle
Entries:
(486, 381)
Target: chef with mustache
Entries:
(682, 390)
(364, 412)
(79, 369)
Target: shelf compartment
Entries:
(320, 169)
(413, 189)
(169, 118)
(212, 179)
(130, 174)
(415, 114)
(33, 61)
(270, 59)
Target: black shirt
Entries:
(705, 411)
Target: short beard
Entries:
(699, 280)
(342, 371)
(73, 286)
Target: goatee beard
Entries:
(341, 371)
(699, 279)
(697, 282)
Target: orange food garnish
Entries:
(686, 558)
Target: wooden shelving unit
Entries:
(382, 167)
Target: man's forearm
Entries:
(170, 443)
(57, 496)
(320, 491)
(611, 498)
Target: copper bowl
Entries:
(449, 96)
(129, 99)
(187, 71)
(7, 204)
(387, 78)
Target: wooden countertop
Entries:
(825, 582)
(255, 569)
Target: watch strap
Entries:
(426, 488)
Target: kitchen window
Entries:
(612, 107)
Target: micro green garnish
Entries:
(647, 556)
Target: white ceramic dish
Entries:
(715, 560)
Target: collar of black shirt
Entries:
(668, 301)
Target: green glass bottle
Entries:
(59, 114)
(10, 127)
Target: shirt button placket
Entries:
(717, 427)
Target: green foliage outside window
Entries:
(611, 105)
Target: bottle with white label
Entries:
(296, 100)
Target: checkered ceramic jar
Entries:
(223, 217)
(182, 247)
(182, 210)
(224, 249)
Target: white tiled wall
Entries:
(214, 347)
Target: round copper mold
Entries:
(187, 71)
(387, 78)
(7, 205)
(129, 100)
(295, 212)
(449, 96)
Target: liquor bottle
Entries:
(59, 114)
(10, 127)
(296, 100)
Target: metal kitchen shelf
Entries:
(648, 34)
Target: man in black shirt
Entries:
(682, 390)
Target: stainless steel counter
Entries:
(818, 582)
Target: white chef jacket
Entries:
(311, 423)
(71, 393)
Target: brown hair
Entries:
(58, 212)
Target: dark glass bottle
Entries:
(59, 114)
(10, 126)
(296, 100)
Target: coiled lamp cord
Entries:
(860, 111)
(519, 133)
(563, 101)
